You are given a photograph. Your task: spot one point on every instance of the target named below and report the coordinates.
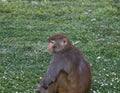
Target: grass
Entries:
(92, 25)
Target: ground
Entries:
(25, 26)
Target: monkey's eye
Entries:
(52, 42)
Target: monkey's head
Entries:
(58, 43)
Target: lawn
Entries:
(92, 25)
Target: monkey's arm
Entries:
(52, 73)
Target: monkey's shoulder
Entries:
(70, 55)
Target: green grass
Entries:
(92, 25)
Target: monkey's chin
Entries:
(50, 52)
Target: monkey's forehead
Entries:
(57, 37)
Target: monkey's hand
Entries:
(38, 88)
(44, 84)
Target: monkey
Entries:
(69, 71)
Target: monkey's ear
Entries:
(64, 41)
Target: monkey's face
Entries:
(51, 46)
(56, 45)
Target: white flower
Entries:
(104, 69)
(93, 19)
(40, 77)
(4, 0)
(98, 57)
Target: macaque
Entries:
(69, 71)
